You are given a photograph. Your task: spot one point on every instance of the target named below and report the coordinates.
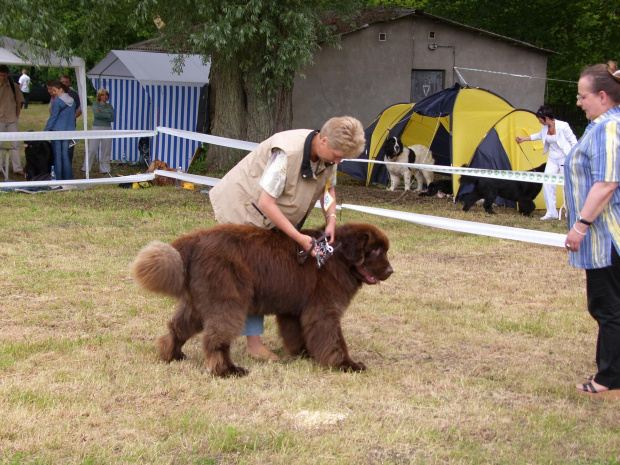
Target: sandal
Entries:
(588, 388)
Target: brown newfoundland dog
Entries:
(223, 273)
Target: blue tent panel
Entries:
(146, 107)
(490, 154)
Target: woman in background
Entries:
(104, 117)
(558, 139)
(591, 176)
(62, 118)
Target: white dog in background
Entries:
(394, 151)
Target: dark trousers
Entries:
(25, 102)
(603, 290)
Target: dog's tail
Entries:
(159, 268)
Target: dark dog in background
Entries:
(440, 189)
(222, 274)
(396, 152)
(39, 160)
(522, 192)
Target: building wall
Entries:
(367, 75)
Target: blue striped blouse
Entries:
(595, 158)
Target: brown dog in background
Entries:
(161, 180)
(222, 274)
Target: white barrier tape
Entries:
(77, 135)
(482, 229)
(223, 141)
(527, 176)
(83, 182)
(193, 178)
(514, 75)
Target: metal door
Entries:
(425, 82)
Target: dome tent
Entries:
(462, 126)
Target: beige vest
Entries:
(235, 196)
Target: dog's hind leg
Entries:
(222, 325)
(292, 335)
(428, 176)
(183, 325)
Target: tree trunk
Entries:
(265, 119)
(239, 111)
(227, 113)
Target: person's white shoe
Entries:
(549, 217)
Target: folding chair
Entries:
(144, 147)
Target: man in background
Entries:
(66, 80)
(24, 83)
(11, 99)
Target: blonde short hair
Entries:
(345, 133)
(100, 93)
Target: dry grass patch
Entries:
(473, 346)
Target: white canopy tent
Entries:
(15, 53)
(151, 68)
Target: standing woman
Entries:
(104, 117)
(558, 139)
(591, 176)
(62, 118)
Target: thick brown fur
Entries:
(222, 274)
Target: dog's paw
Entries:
(234, 371)
(350, 365)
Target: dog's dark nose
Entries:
(388, 271)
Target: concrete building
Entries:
(395, 56)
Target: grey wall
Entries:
(367, 75)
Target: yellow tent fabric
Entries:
(384, 123)
(454, 123)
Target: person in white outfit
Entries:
(558, 139)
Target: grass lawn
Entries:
(473, 348)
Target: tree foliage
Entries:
(582, 32)
(268, 40)
(85, 28)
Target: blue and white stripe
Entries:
(140, 107)
(595, 158)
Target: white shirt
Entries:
(273, 179)
(24, 82)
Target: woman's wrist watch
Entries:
(581, 220)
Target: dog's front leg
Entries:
(325, 341)
(394, 181)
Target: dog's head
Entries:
(392, 147)
(365, 247)
(159, 165)
(38, 150)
